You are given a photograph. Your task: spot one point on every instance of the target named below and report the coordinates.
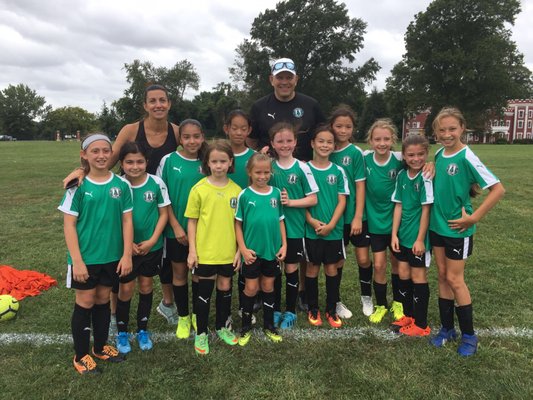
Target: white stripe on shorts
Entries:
(427, 258)
(466, 246)
(69, 276)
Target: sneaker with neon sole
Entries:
(343, 311)
(110, 354)
(288, 320)
(245, 337)
(183, 329)
(201, 344)
(170, 313)
(143, 338)
(396, 310)
(468, 345)
(377, 316)
(444, 336)
(227, 336)
(273, 334)
(313, 316)
(415, 331)
(122, 342)
(86, 366)
(368, 306)
(333, 320)
(404, 321)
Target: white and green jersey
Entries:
(148, 197)
(299, 182)
(180, 174)
(331, 182)
(413, 193)
(350, 158)
(380, 184)
(454, 175)
(240, 176)
(260, 214)
(99, 207)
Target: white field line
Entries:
(307, 334)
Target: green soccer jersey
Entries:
(331, 182)
(214, 208)
(148, 197)
(299, 182)
(98, 207)
(380, 184)
(180, 174)
(412, 193)
(351, 160)
(240, 176)
(260, 214)
(454, 175)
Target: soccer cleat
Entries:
(254, 320)
(377, 316)
(333, 320)
(313, 316)
(288, 320)
(123, 342)
(396, 309)
(277, 318)
(109, 353)
(404, 321)
(468, 346)
(245, 337)
(273, 335)
(201, 344)
(112, 326)
(184, 327)
(343, 311)
(444, 335)
(170, 313)
(368, 306)
(302, 306)
(86, 365)
(143, 338)
(193, 323)
(415, 331)
(227, 336)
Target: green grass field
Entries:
(358, 362)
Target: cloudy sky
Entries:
(72, 51)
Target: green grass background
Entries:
(499, 275)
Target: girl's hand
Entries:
(463, 223)
(356, 226)
(315, 224)
(280, 256)
(395, 243)
(181, 236)
(145, 247)
(237, 261)
(285, 198)
(324, 229)
(419, 248)
(264, 150)
(192, 260)
(135, 249)
(249, 256)
(124, 266)
(428, 171)
(78, 174)
(79, 272)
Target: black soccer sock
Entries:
(465, 318)
(205, 289)
(291, 291)
(332, 293)
(380, 291)
(339, 279)
(277, 293)
(223, 304)
(240, 283)
(446, 313)
(268, 310)
(101, 318)
(311, 289)
(302, 294)
(406, 295)
(143, 310)
(365, 280)
(420, 304)
(81, 330)
(395, 281)
(181, 297)
(123, 315)
(247, 310)
(194, 290)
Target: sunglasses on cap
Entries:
(280, 65)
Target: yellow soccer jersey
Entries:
(214, 207)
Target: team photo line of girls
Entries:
(215, 210)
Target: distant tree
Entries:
(460, 52)
(20, 110)
(323, 42)
(374, 108)
(108, 120)
(68, 120)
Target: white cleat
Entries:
(368, 306)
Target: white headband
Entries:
(93, 138)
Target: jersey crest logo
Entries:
(115, 192)
(392, 174)
(149, 196)
(298, 112)
(292, 179)
(233, 202)
(452, 169)
(346, 160)
(273, 203)
(331, 179)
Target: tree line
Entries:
(458, 52)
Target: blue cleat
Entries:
(288, 321)
(143, 338)
(123, 342)
(468, 346)
(444, 335)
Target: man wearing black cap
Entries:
(286, 105)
